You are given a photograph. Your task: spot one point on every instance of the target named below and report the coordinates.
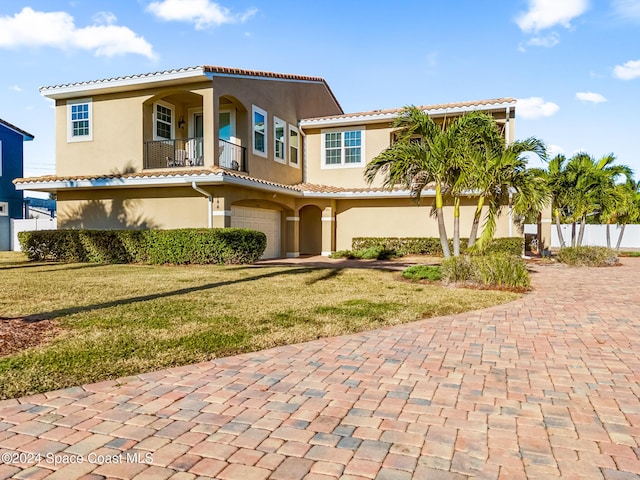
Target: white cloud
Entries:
(627, 8)
(31, 28)
(544, 14)
(202, 13)
(590, 97)
(535, 107)
(628, 71)
(104, 18)
(548, 41)
(553, 150)
(15, 88)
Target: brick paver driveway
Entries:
(547, 386)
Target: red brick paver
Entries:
(547, 386)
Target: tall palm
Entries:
(593, 186)
(425, 154)
(559, 185)
(629, 208)
(501, 178)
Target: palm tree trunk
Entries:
(442, 229)
(573, 234)
(539, 234)
(583, 222)
(456, 227)
(620, 236)
(608, 236)
(476, 222)
(559, 228)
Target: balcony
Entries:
(189, 152)
(232, 156)
(179, 152)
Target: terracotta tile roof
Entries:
(310, 188)
(259, 73)
(428, 108)
(150, 75)
(187, 71)
(26, 135)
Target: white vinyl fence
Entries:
(596, 236)
(29, 225)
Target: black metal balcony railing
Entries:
(178, 152)
(232, 156)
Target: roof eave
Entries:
(114, 85)
(372, 117)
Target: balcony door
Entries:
(229, 156)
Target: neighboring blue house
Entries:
(11, 167)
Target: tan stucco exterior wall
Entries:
(121, 123)
(403, 218)
(376, 138)
(289, 101)
(132, 208)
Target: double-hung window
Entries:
(259, 122)
(342, 148)
(294, 146)
(79, 120)
(279, 139)
(163, 116)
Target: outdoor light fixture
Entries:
(181, 123)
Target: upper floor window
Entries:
(294, 147)
(279, 142)
(342, 148)
(163, 122)
(259, 131)
(79, 124)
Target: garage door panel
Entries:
(263, 220)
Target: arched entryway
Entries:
(310, 230)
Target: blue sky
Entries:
(573, 65)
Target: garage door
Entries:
(263, 220)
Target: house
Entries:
(223, 147)
(11, 167)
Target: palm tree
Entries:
(594, 190)
(501, 178)
(424, 154)
(559, 186)
(627, 209)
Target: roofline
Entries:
(70, 90)
(378, 116)
(172, 77)
(26, 136)
(201, 179)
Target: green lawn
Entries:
(118, 320)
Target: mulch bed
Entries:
(18, 334)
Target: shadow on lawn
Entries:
(63, 312)
(56, 264)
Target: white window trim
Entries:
(284, 140)
(81, 138)
(155, 118)
(255, 109)
(360, 164)
(294, 129)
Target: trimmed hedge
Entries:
(431, 245)
(588, 256)
(497, 269)
(180, 246)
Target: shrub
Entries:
(431, 246)
(588, 256)
(180, 246)
(422, 272)
(371, 253)
(495, 269)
